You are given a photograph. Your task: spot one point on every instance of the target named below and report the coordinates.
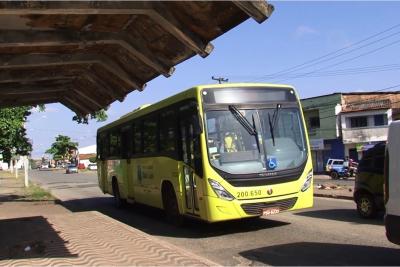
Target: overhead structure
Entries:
(87, 54)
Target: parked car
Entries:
(92, 166)
(44, 166)
(71, 168)
(336, 169)
(368, 187)
(392, 184)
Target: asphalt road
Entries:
(331, 233)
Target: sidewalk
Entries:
(44, 233)
(324, 186)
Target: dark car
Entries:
(368, 187)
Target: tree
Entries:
(13, 138)
(61, 147)
(100, 115)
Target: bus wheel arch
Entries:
(118, 201)
(170, 204)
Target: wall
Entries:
(325, 106)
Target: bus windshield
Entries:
(233, 149)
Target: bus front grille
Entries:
(257, 208)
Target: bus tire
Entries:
(170, 204)
(118, 201)
(366, 206)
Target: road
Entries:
(331, 233)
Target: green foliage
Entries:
(13, 138)
(61, 147)
(93, 159)
(100, 115)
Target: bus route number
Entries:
(250, 193)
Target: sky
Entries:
(297, 32)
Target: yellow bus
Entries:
(213, 152)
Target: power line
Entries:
(297, 67)
(349, 59)
(339, 72)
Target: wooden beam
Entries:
(91, 100)
(23, 38)
(77, 104)
(38, 60)
(28, 80)
(259, 10)
(27, 90)
(72, 107)
(27, 102)
(72, 7)
(161, 15)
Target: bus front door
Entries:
(189, 146)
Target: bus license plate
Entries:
(270, 211)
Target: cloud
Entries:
(303, 30)
(44, 117)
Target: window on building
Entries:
(356, 122)
(314, 122)
(380, 120)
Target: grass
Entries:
(36, 193)
(31, 193)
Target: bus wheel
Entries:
(366, 206)
(118, 201)
(171, 206)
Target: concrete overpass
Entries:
(87, 54)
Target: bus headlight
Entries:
(308, 181)
(220, 190)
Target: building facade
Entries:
(321, 114)
(347, 124)
(364, 120)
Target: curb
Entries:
(333, 196)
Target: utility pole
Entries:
(220, 79)
(26, 165)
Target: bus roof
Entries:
(186, 94)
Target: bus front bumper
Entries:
(221, 210)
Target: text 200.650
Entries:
(250, 193)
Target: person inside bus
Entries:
(230, 142)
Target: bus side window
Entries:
(189, 117)
(150, 135)
(115, 143)
(126, 150)
(168, 134)
(137, 138)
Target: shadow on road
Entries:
(345, 215)
(309, 253)
(152, 221)
(33, 232)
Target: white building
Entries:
(85, 153)
(365, 119)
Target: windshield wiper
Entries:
(250, 128)
(272, 123)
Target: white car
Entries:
(44, 166)
(92, 166)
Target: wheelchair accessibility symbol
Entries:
(272, 163)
